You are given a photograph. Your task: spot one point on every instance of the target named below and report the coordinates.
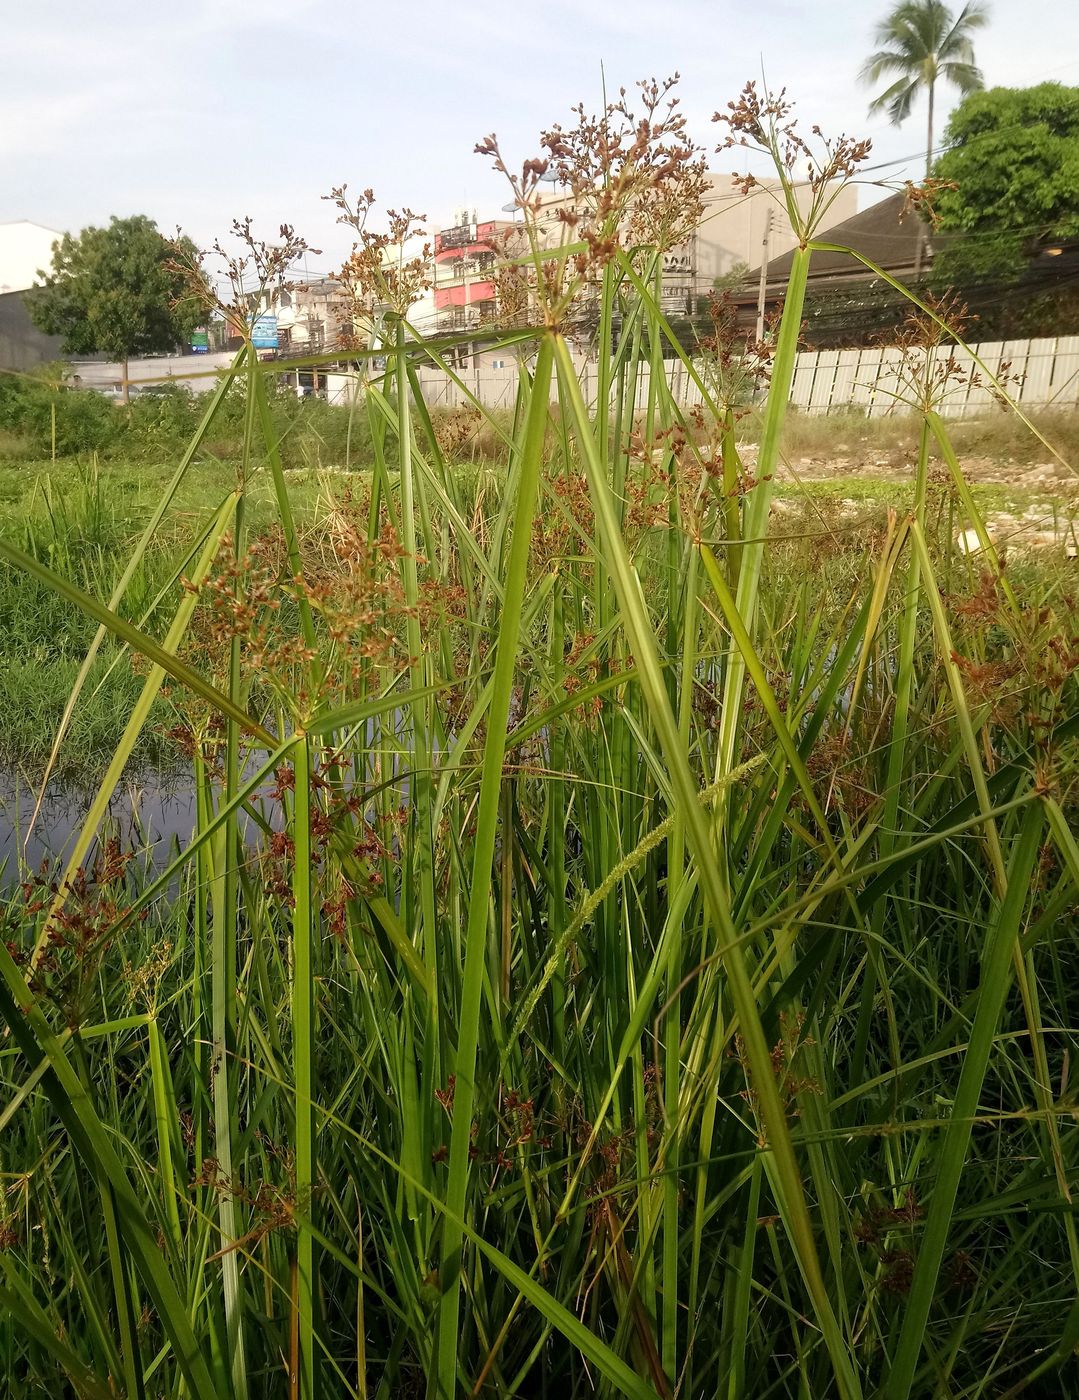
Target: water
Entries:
(154, 815)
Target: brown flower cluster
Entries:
(514, 279)
(784, 1056)
(81, 923)
(850, 784)
(583, 666)
(457, 431)
(763, 121)
(921, 199)
(339, 823)
(691, 466)
(247, 280)
(1020, 662)
(352, 585)
(633, 177)
(386, 271)
(562, 529)
(625, 180)
(928, 370)
(273, 1206)
(886, 1232)
(735, 368)
(515, 1131)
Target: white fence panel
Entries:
(866, 367)
(824, 380)
(956, 401)
(979, 395)
(804, 373)
(1041, 355)
(820, 399)
(1064, 389)
(845, 375)
(888, 384)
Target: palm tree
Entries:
(921, 42)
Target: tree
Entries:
(116, 291)
(922, 44)
(1013, 157)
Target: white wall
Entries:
(830, 380)
(195, 372)
(824, 380)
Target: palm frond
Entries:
(881, 64)
(896, 100)
(973, 15)
(965, 76)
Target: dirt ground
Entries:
(1039, 502)
(1050, 477)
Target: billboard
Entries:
(200, 342)
(458, 237)
(678, 260)
(264, 332)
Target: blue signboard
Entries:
(264, 332)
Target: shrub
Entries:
(85, 421)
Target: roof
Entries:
(887, 233)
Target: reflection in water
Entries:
(154, 816)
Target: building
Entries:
(737, 228)
(735, 231)
(464, 260)
(846, 301)
(25, 250)
(884, 233)
(312, 317)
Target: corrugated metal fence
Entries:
(1042, 374)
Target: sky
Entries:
(200, 113)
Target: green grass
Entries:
(656, 971)
(83, 517)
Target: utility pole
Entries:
(466, 271)
(764, 273)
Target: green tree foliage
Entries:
(921, 43)
(1014, 158)
(117, 292)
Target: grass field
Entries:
(82, 515)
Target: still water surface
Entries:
(152, 815)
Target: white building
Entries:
(25, 250)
